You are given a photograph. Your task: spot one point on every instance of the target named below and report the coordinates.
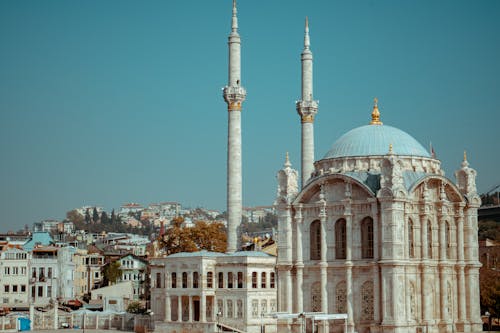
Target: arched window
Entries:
(411, 246)
(230, 279)
(315, 240)
(221, 280)
(263, 281)
(341, 297)
(184, 280)
(316, 297)
(340, 239)
(367, 238)
(367, 300)
(174, 280)
(195, 279)
(429, 239)
(447, 239)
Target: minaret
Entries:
(307, 109)
(234, 95)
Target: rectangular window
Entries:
(254, 280)
(240, 280)
(255, 308)
(230, 280)
(263, 307)
(33, 272)
(239, 308)
(15, 270)
(184, 280)
(174, 280)
(272, 281)
(49, 272)
(263, 280)
(158, 280)
(221, 280)
(49, 291)
(210, 279)
(14, 288)
(40, 291)
(23, 288)
(6, 288)
(195, 279)
(7, 270)
(220, 308)
(23, 270)
(229, 309)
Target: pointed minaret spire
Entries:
(287, 161)
(234, 22)
(307, 108)
(234, 95)
(307, 41)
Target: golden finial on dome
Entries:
(375, 113)
(390, 148)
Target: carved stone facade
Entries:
(383, 237)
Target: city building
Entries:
(376, 231)
(196, 291)
(134, 269)
(14, 278)
(88, 272)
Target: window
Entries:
(263, 307)
(49, 272)
(23, 288)
(239, 308)
(229, 308)
(315, 240)
(255, 308)
(23, 270)
(341, 297)
(6, 288)
(254, 280)
(210, 279)
(220, 308)
(272, 283)
(15, 270)
(40, 291)
(447, 240)
(195, 279)
(429, 239)
(49, 291)
(184, 280)
(263, 280)
(230, 279)
(221, 280)
(411, 246)
(240, 280)
(7, 270)
(14, 288)
(367, 238)
(33, 272)
(340, 239)
(158, 280)
(174, 280)
(367, 300)
(42, 273)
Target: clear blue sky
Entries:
(106, 102)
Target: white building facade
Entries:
(196, 291)
(14, 278)
(377, 232)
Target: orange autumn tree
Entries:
(202, 236)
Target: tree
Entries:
(75, 217)
(104, 218)
(203, 236)
(113, 216)
(136, 307)
(87, 216)
(95, 215)
(112, 272)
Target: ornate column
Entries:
(348, 263)
(299, 264)
(179, 308)
(376, 268)
(323, 264)
(203, 310)
(462, 315)
(168, 310)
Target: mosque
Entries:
(375, 234)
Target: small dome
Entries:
(372, 140)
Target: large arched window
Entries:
(411, 245)
(340, 239)
(315, 240)
(367, 238)
(367, 300)
(341, 297)
(316, 297)
(429, 239)
(447, 240)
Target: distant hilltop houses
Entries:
(85, 258)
